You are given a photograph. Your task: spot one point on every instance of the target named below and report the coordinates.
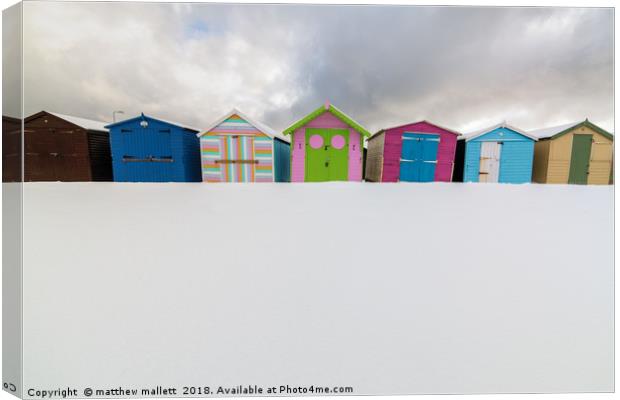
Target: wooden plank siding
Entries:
(12, 155)
(374, 158)
(158, 152)
(541, 161)
(326, 120)
(552, 158)
(59, 150)
(516, 156)
(393, 143)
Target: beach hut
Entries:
(326, 145)
(497, 154)
(579, 152)
(147, 149)
(11, 149)
(60, 147)
(416, 152)
(236, 148)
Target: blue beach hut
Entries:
(498, 154)
(147, 149)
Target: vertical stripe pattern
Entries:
(236, 140)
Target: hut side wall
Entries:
(393, 149)
(282, 159)
(100, 156)
(374, 158)
(11, 149)
(541, 161)
(459, 161)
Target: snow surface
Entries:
(389, 288)
(550, 131)
(83, 122)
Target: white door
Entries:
(489, 161)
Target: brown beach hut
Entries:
(61, 147)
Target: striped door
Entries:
(238, 162)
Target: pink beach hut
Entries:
(327, 145)
(416, 152)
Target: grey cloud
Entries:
(383, 65)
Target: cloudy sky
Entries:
(463, 68)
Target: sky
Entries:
(462, 68)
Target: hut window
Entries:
(316, 141)
(338, 142)
(165, 130)
(125, 130)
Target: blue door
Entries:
(418, 157)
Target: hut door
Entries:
(490, 153)
(580, 159)
(418, 157)
(327, 155)
(239, 159)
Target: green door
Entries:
(580, 159)
(327, 155)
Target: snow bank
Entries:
(388, 288)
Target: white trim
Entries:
(472, 135)
(259, 126)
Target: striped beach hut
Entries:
(237, 148)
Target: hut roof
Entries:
(258, 125)
(413, 123)
(88, 124)
(472, 135)
(142, 116)
(332, 109)
(559, 130)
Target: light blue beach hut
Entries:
(497, 154)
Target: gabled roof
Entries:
(413, 123)
(84, 123)
(142, 116)
(260, 126)
(559, 130)
(325, 108)
(472, 135)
